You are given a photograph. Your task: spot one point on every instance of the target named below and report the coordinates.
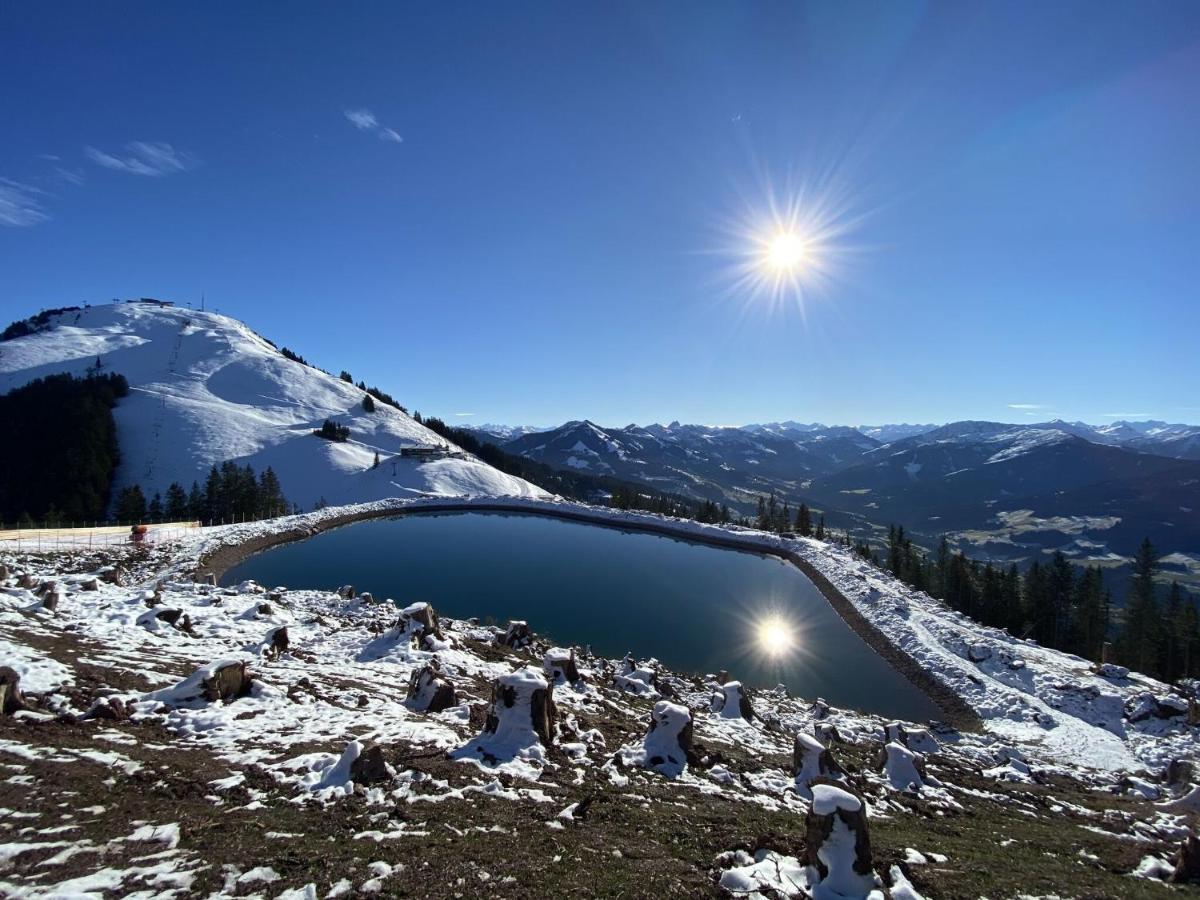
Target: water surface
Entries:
(694, 607)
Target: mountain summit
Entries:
(205, 388)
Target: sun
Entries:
(775, 636)
(787, 251)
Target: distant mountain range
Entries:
(998, 490)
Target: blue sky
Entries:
(534, 212)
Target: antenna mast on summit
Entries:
(202, 301)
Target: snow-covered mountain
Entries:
(730, 465)
(204, 388)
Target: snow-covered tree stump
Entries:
(838, 843)
(90, 584)
(4, 573)
(819, 709)
(559, 664)
(812, 762)
(420, 622)
(667, 747)
(827, 733)
(277, 641)
(112, 575)
(11, 700)
(26, 581)
(228, 682)
(112, 708)
(517, 635)
(346, 592)
(905, 770)
(522, 700)
(732, 702)
(640, 680)
(429, 690)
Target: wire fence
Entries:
(53, 539)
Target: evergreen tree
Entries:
(131, 504)
(368, 403)
(177, 508)
(346, 377)
(154, 511)
(197, 507)
(820, 533)
(1141, 638)
(375, 465)
(804, 521)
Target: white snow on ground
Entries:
(205, 388)
(1050, 702)
(1065, 718)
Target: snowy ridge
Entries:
(204, 388)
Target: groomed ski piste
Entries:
(206, 388)
(183, 739)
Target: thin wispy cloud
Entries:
(150, 158)
(364, 120)
(21, 204)
(1028, 406)
(1127, 415)
(70, 176)
(463, 415)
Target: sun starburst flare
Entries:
(788, 248)
(775, 636)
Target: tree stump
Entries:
(111, 575)
(4, 573)
(517, 635)
(366, 597)
(1179, 774)
(27, 581)
(813, 763)
(278, 641)
(420, 622)
(1187, 861)
(11, 700)
(431, 691)
(732, 702)
(668, 745)
(522, 700)
(369, 766)
(819, 709)
(111, 708)
(346, 592)
(228, 682)
(90, 584)
(838, 842)
(905, 769)
(560, 665)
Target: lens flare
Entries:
(775, 636)
(790, 244)
(787, 251)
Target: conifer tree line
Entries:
(775, 516)
(60, 452)
(333, 431)
(231, 493)
(1059, 604)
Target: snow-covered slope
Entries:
(204, 388)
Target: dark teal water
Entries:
(694, 607)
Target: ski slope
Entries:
(204, 388)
